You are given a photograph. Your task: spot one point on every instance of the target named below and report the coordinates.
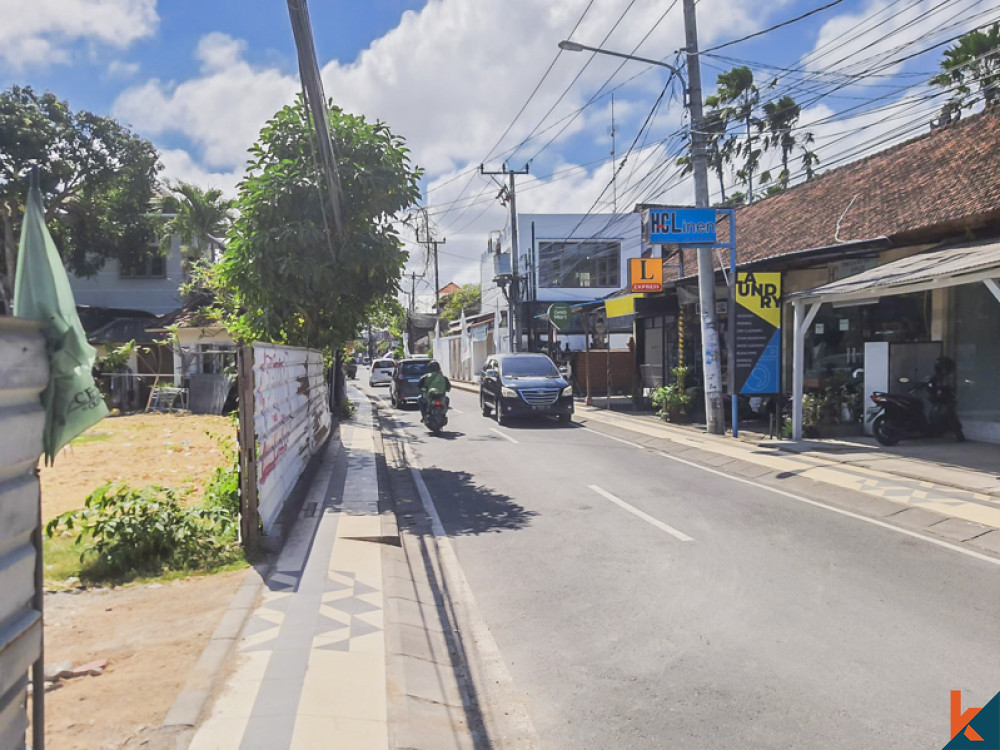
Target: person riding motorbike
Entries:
(432, 383)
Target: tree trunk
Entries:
(10, 256)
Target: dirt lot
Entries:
(151, 636)
(172, 450)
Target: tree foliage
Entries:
(973, 61)
(283, 277)
(198, 218)
(96, 177)
(468, 298)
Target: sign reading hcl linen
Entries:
(684, 226)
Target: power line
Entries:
(773, 28)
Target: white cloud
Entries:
(179, 166)
(122, 69)
(40, 32)
(221, 111)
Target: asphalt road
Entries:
(642, 603)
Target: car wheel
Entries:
(483, 406)
(565, 418)
(502, 418)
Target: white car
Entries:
(382, 370)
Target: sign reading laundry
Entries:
(758, 333)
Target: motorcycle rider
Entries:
(432, 383)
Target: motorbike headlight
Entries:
(508, 392)
(567, 391)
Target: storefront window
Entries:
(975, 315)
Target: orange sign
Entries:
(645, 274)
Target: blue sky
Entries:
(200, 78)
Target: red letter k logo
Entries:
(960, 720)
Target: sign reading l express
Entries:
(684, 226)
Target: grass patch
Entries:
(90, 437)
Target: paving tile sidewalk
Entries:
(317, 662)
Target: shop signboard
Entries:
(645, 274)
(758, 333)
(682, 226)
(559, 315)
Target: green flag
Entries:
(41, 292)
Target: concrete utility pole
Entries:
(430, 242)
(514, 297)
(413, 290)
(711, 364)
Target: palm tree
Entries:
(780, 120)
(198, 218)
(714, 126)
(974, 59)
(738, 98)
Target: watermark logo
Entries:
(974, 727)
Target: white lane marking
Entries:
(488, 666)
(504, 435)
(815, 503)
(457, 411)
(640, 514)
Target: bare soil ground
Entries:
(151, 636)
(172, 450)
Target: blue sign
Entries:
(682, 226)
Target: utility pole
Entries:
(712, 367)
(514, 297)
(413, 289)
(429, 242)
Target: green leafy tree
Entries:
(973, 61)
(468, 298)
(779, 124)
(198, 218)
(96, 177)
(283, 276)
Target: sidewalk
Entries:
(328, 657)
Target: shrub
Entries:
(223, 488)
(673, 399)
(128, 532)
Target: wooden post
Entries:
(249, 515)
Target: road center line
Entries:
(814, 503)
(504, 435)
(640, 514)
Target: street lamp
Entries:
(711, 359)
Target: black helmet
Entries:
(433, 366)
(944, 365)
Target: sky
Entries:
(470, 82)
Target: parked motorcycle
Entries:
(436, 415)
(897, 416)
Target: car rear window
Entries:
(414, 369)
(384, 364)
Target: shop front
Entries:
(944, 302)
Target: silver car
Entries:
(382, 370)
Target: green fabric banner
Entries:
(41, 292)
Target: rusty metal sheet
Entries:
(24, 373)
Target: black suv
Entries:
(515, 385)
(405, 386)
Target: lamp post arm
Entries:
(577, 47)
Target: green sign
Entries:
(559, 315)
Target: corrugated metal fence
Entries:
(287, 389)
(23, 375)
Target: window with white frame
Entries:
(583, 264)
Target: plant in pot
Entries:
(673, 400)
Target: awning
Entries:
(619, 307)
(934, 270)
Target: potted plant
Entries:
(672, 400)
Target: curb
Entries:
(189, 703)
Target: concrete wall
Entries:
(291, 421)
(23, 375)
(108, 289)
